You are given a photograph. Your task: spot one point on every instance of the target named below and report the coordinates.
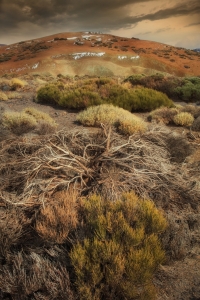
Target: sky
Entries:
(173, 22)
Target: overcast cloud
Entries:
(26, 19)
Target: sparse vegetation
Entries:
(164, 115)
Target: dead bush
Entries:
(196, 124)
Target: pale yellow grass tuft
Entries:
(183, 119)
(3, 96)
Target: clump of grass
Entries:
(19, 122)
(130, 125)
(108, 114)
(17, 83)
(14, 95)
(3, 96)
(183, 119)
(120, 250)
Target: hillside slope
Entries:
(86, 53)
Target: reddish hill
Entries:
(81, 53)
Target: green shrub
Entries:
(120, 251)
(50, 93)
(85, 93)
(123, 120)
(183, 119)
(19, 123)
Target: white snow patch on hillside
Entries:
(86, 54)
(72, 38)
(35, 66)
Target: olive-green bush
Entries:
(85, 93)
(117, 250)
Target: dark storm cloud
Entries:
(20, 16)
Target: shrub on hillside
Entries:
(123, 120)
(184, 119)
(19, 122)
(117, 250)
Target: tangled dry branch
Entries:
(104, 162)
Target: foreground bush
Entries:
(120, 250)
(184, 119)
(123, 120)
(94, 92)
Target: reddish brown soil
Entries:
(152, 56)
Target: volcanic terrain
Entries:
(94, 53)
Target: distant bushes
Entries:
(85, 93)
(120, 249)
(124, 121)
(185, 89)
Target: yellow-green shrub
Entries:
(19, 122)
(120, 251)
(39, 115)
(85, 93)
(184, 119)
(3, 96)
(124, 121)
(17, 83)
(131, 125)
